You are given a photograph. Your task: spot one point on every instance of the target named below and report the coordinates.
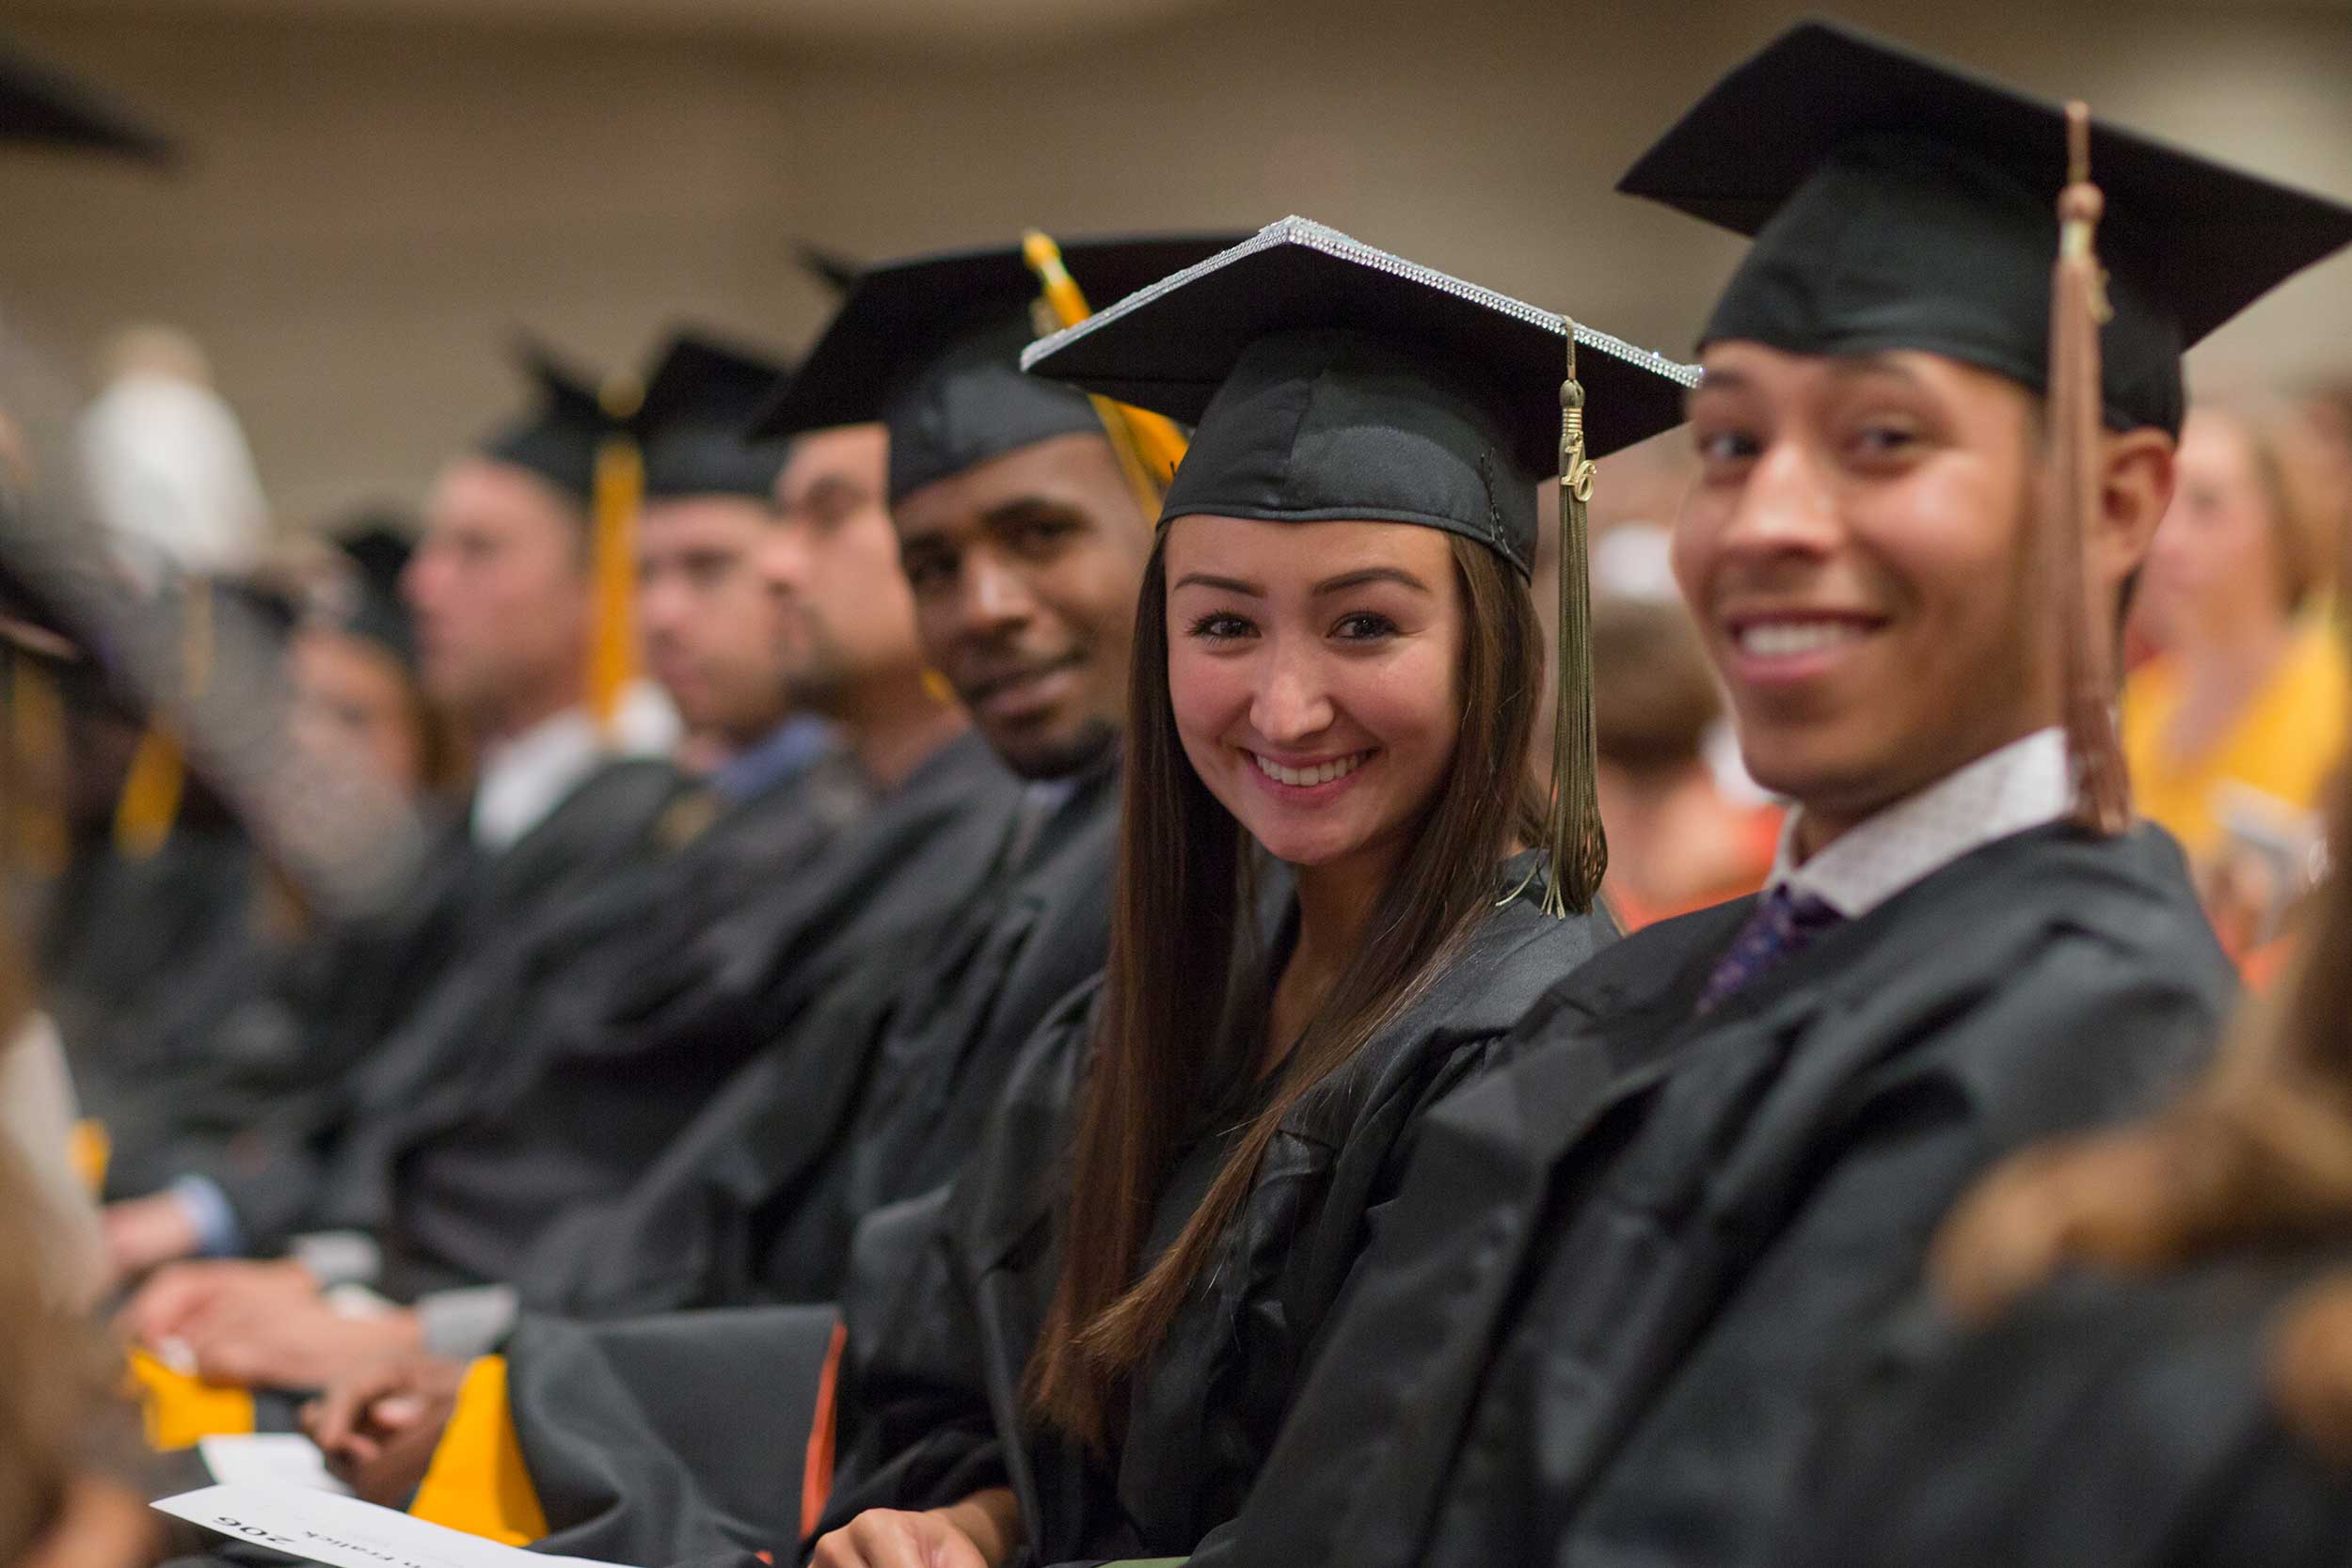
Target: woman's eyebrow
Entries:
(1371, 574)
(1231, 585)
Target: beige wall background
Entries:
(381, 194)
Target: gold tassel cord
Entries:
(620, 491)
(2077, 307)
(1580, 852)
(1149, 445)
(157, 781)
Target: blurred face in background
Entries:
(1025, 570)
(832, 558)
(715, 635)
(2219, 566)
(501, 591)
(352, 700)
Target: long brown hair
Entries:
(1184, 936)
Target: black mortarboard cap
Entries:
(558, 438)
(364, 600)
(40, 104)
(699, 400)
(1898, 202)
(1331, 380)
(931, 346)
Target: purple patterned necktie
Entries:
(1783, 923)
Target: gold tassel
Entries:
(2077, 307)
(157, 781)
(1149, 445)
(620, 491)
(1580, 852)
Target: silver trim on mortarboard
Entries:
(1316, 236)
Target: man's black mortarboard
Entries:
(1331, 381)
(686, 419)
(1899, 203)
(579, 440)
(698, 402)
(559, 438)
(930, 347)
(38, 104)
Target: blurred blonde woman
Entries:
(2247, 689)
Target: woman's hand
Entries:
(978, 1532)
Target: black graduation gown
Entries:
(878, 1093)
(2117, 1423)
(568, 1107)
(528, 1105)
(259, 1039)
(277, 1181)
(946, 1308)
(119, 932)
(1597, 1328)
(650, 1438)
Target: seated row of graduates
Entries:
(1374, 1204)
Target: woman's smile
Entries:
(1310, 781)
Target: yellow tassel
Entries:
(157, 781)
(2077, 307)
(478, 1481)
(1149, 445)
(91, 1150)
(151, 792)
(620, 491)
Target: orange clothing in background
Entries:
(2285, 744)
(1759, 843)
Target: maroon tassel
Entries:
(2077, 307)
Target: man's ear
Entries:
(2135, 488)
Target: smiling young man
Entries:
(1605, 1309)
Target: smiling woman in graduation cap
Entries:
(1333, 686)
(1603, 1313)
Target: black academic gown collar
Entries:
(1642, 995)
(1093, 791)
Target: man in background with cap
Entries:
(502, 601)
(1620, 1281)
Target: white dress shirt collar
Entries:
(523, 779)
(2023, 784)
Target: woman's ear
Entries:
(2135, 488)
